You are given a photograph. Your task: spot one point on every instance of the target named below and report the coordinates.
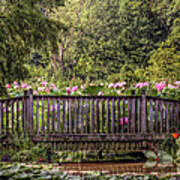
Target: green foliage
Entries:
(110, 37)
(24, 28)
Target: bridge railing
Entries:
(42, 115)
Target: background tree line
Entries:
(89, 40)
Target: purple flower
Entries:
(100, 93)
(74, 88)
(124, 121)
(15, 83)
(44, 83)
(111, 85)
(160, 86)
(8, 86)
(68, 90)
(24, 85)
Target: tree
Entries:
(108, 35)
(165, 61)
(24, 28)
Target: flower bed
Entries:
(163, 89)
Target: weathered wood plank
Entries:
(82, 117)
(143, 113)
(92, 116)
(87, 117)
(139, 115)
(108, 119)
(172, 125)
(64, 116)
(7, 117)
(123, 118)
(118, 116)
(48, 118)
(58, 115)
(102, 115)
(75, 116)
(12, 117)
(42, 117)
(1, 117)
(37, 116)
(156, 116)
(23, 124)
(151, 116)
(113, 117)
(177, 116)
(129, 124)
(31, 111)
(133, 116)
(97, 116)
(53, 115)
(17, 115)
(167, 117)
(69, 114)
(161, 117)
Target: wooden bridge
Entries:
(130, 121)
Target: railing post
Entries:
(30, 93)
(28, 111)
(143, 112)
(26, 120)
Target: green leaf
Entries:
(150, 155)
(150, 164)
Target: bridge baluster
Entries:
(12, 118)
(113, 116)
(161, 117)
(103, 118)
(151, 116)
(107, 123)
(48, 110)
(37, 116)
(58, 115)
(167, 117)
(42, 116)
(118, 116)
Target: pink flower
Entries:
(16, 87)
(177, 82)
(141, 84)
(125, 120)
(74, 88)
(120, 84)
(119, 92)
(47, 90)
(8, 86)
(68, 90)
(29, 87)
(53, 85)
(146, 84)
(68, 159)
(15, 83)
(111, 85)
(160, 86)
(44, 83)
(24, 85)
(170, 86)
(40, 89)
(35, 92)
(100, 93)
